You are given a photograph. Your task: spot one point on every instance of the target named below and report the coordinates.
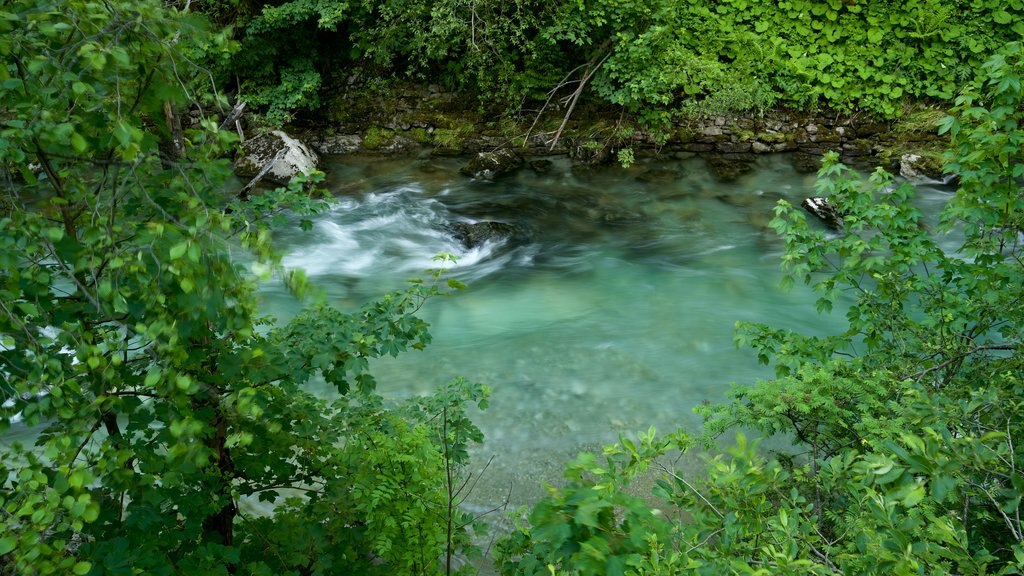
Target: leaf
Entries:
(78, 143)
(7, 543)
(915, 496)
(81, 568)
(178, 250)
(152, 377)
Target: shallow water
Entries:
(613, 309)
(614, 312)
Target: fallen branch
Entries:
(244, 194)
(233, 116)
(575, 98)
(572, 99)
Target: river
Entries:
(614, 312)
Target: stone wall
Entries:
(419, 117)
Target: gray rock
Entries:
(591, 152)
(293, 157)
(921, 168)
(473, 234)
(825, 210)
(398, 145)
(489, 165)
(338, 144)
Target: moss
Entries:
(419, 135)
(771, 137)
(688, 134)
(919, 122)
(448, 139)
(376, 138)
(930, 152)
(452, 132)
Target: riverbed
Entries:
(612, 308)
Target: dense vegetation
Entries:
(130, 335)
(654, 59)
(907, 428)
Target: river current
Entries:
(613, 310)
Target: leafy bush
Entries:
(906, 429)
(130, 337)
(731, 56)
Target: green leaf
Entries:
(81, 568)
(152, 377)
(178, 250)
(7, 543)
(78, 143)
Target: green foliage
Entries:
(689, 57)
(166, 407)
(905, 430)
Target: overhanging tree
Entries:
(130, 338)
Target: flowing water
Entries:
(613, 310)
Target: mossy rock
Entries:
(419, 135)
(377, 138)
(477, 233)
(922, 166)
(489, 165)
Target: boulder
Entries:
(921, 168)
(338, 144)
(473, 234)
(489, 165)
(825, 210)
(290, 157)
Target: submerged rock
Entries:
(541, 165)
(293, 157)
(806, 163)
(489, 165)
(659, 176)
(473, 234)
(747, 199)
(824, 209)
(729, 169)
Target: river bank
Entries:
(414, 118)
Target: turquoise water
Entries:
(614, 312)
